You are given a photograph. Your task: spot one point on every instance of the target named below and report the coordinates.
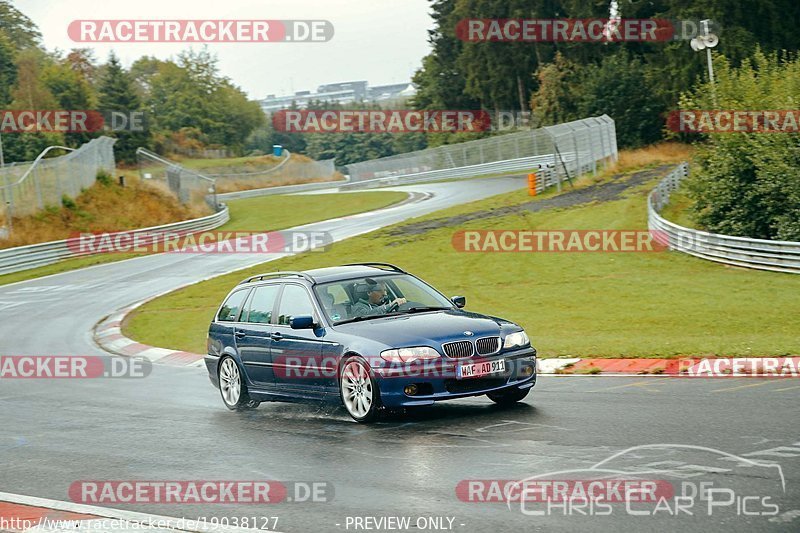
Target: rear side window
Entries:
(294, 302)
(259, 310)
(232, 306)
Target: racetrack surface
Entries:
(172, 425)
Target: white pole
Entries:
(710, 66)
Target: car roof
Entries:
(337, 273)
(329, 274)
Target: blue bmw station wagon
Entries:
(369, 335)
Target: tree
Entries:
(72, 92)
(8, 69)
(117, 94)
(21, 30)
(748, 184)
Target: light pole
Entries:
(706, 42)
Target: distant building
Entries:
(343, 93)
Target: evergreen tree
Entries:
(118, 94)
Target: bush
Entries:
(104, 178)
(748, 184)
(68, 203)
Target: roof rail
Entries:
(281, 274)
(386, 265)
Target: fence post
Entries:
(8, 197)
(577, 153)
(38, 186)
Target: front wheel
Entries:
(360, 394)
(507, 397)
(232, 387)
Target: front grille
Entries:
(455, 386)
(458, 349)
(488, 345)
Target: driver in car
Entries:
(375, 303)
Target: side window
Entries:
(294, 302)
(259, 310)
(230, 309)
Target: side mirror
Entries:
(301, 322)
(460, 301)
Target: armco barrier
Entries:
(779, 256)
(542, 163)
(36, 255)
(282, 189)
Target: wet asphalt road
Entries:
(172, 426)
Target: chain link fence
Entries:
(192, 187)
(26, 188)
(572, 149)
(291, 170)
(188, 186)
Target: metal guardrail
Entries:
(280, 165)
(36, 255)
(282, 189)
(542, 164)
(761, 254)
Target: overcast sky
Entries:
(381, 41)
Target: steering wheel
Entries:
(408, 305)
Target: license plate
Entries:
(481, 369)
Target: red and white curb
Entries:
(683, 366)
(29, 514)
(108, 335)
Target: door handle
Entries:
(239, 334)
(276, 336)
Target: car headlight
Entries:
(516, 339)
(408, 355)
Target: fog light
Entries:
(527, 371)
(410, 390)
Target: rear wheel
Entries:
(507, 397)
(232, 387)
(359, 391)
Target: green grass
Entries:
(657, 304)
(678, 210)
(266, 213)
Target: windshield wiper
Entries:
(425, 308)
(359, 319)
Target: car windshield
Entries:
(376, 296)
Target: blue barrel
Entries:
(277, 150)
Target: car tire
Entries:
(359, 390)
(232, 387)
(508, 397)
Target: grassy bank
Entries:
(655, 304)
(266, 213)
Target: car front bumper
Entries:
(442, 384)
